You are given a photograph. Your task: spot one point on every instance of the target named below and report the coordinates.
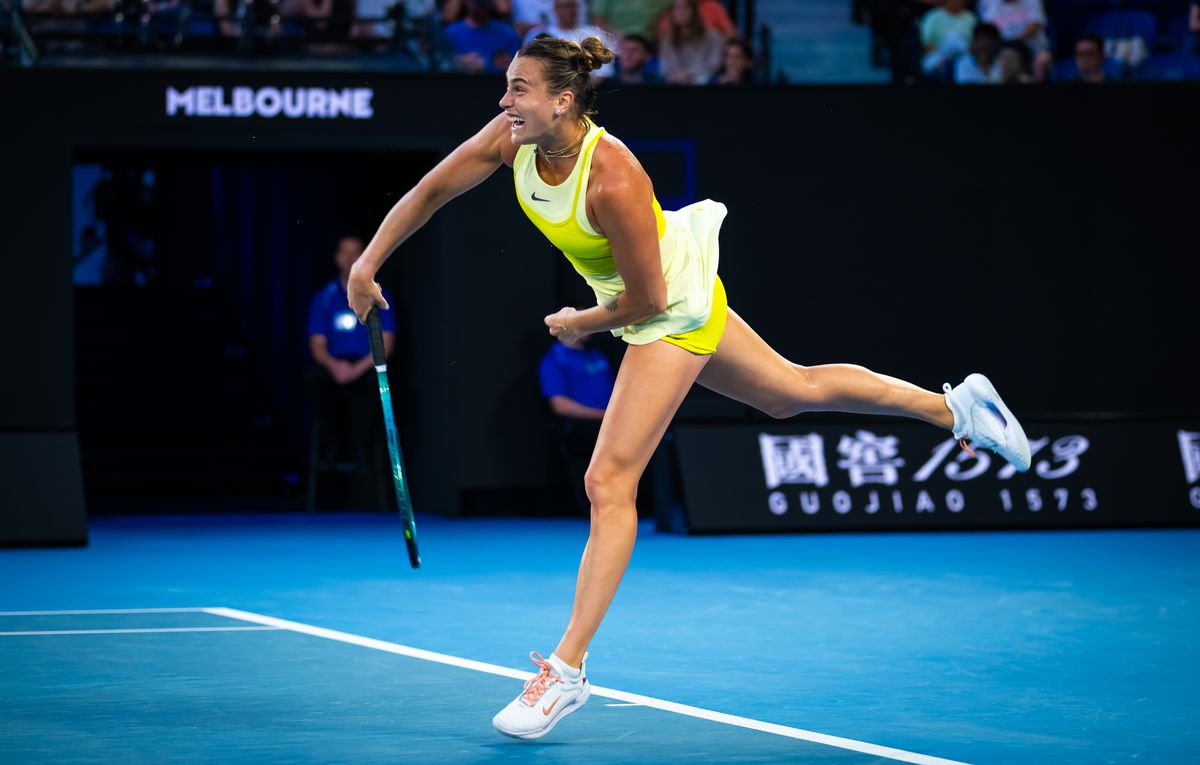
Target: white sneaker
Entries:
(980, 415)
(549, 696)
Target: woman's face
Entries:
(1009, 62)
(682, 12)
(530, 108)
(736, 61)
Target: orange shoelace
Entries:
(537, 685)
(966, 447)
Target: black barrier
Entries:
(792, 477)
(41, 497)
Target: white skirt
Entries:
(690, 252)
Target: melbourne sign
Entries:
(270, 102)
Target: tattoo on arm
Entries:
(611, 305)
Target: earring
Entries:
(558, 112)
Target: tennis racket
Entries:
(398, 480)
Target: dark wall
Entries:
(1043, 235)
(1046, 235)
(36, 389)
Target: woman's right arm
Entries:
(465, 168)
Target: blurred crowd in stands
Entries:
(1026, 41)
(657, 41)
(683, 42)
(691, 42)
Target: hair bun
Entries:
(594, 54)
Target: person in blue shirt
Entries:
(577, 382)
(481, 42)
(345, 397)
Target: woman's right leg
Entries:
(746, 369)
(651, 383)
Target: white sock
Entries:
(565, 670)
(959, 426)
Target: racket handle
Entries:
(375, 330)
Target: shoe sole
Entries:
(984, 390)
(583, 697)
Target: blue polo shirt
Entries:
(330, 315)
(494, 36)
(583, 375)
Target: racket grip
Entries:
(375, 330)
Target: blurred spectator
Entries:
(712, 13)
(322, 20)
(1193, 25)
(895, 38)
(737, 64)
(628, 17)
(480, 41)
(576, 380)
(1130, 36)
(67, 7)
(527, 14)
(378, 9)
(327, 23)
(946, 34)
(1022, 21)
(500, 60)
(61, 9)
(1089, 59)
(567, 26)
(165, 17)
(1013, 64)
(124, 202)
(456, 10)
(345, 398)
(636, 64)
(227, 22)
(241, 19)
(978, 67)
(690, 53)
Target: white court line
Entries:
(107, 611)
(148, 629)
(669, 706)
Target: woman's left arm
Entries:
(623, 202)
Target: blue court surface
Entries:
(289, 638)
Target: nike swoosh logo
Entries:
(536, 198)
(996, 411)
(546, 710)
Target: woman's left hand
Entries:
(557, 323)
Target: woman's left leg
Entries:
(746, 369)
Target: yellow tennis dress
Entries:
(696, 309)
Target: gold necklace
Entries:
(566, 151)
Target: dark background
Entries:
(1045, 236)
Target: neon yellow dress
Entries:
(696, 309)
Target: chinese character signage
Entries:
(897, 475)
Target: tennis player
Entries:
(654, 273)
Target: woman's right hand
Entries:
(363, 292)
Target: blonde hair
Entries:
(569, 65)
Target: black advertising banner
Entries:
(789, 477)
